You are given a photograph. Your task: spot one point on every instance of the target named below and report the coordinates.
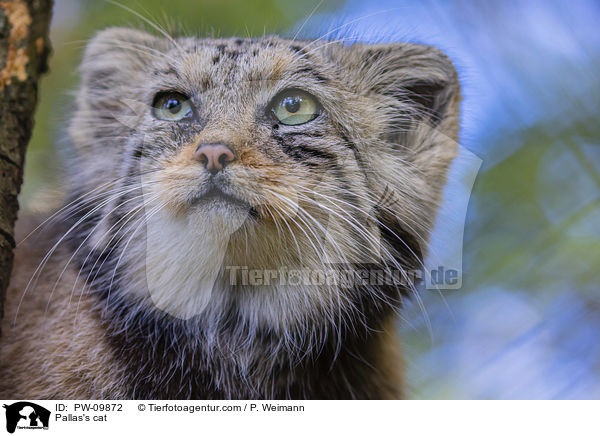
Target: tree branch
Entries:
(24, 50)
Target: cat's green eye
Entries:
(293, 107)
(172, 106)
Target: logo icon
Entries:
(26, 415)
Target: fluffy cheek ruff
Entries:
(189, 259)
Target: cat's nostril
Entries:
(214, 157)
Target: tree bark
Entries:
(24, 50)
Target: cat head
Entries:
(213, 156)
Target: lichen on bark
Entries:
(24, 50)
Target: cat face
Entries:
(261, 154)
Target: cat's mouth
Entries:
(216, 199)
(215, 195)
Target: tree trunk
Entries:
(24, 49)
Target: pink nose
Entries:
(214, 157)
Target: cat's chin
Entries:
(218, 216)
(220, 212)
(185, 255)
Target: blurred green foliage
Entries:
(538, 210)
(525, 322)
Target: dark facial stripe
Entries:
(302, 153)
(347, 142)
(319, 77)
(305, 134)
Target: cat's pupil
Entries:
(292, 104)
(173, 106)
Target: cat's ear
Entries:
(420, 78)
(115, 56)
(114, 74)
(413, 95)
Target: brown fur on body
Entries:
(132, 315)
(46, 353)
(62, 350)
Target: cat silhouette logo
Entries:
(26, 415)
